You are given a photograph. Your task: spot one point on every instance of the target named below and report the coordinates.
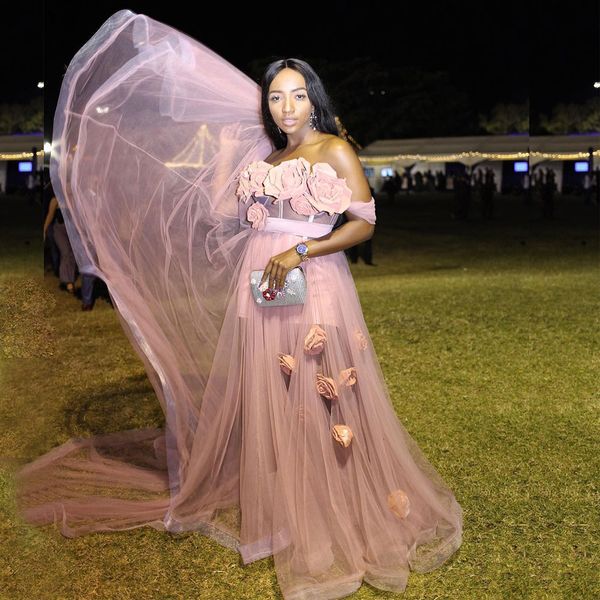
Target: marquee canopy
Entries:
(471, 150)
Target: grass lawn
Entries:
(487, 333)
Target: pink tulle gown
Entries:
(280, 437)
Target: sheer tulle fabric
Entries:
(280, 437)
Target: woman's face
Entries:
(288, 101)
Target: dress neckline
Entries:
(293, 159)
(321, 162)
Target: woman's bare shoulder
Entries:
(342, 156)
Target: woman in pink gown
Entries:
(178, 176)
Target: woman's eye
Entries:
(300, 96)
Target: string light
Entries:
(203, 137)
(563, 155)
(19, 155)
(193, 154)
(380, 160)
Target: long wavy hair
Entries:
(324, 110)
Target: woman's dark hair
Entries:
(324, 111)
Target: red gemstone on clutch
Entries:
(269, 294)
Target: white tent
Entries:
(19, 147)
(422, 154)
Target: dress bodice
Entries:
(273, 197)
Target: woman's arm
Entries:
(342, 157)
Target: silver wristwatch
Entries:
(302, 250)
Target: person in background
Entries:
(53, 251)
(67, 264)
(64, 264)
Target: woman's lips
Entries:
(289, 121)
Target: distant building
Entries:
(514, 159)
(18, 166)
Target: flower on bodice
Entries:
(310, 189)
(328, 192)
(287, 179)
(257, 215)
(251, 180)
(302, 204)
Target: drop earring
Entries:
(312, 121)
(279, 129)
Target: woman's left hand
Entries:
(278, 266)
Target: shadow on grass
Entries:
(131, 404)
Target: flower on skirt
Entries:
(362, 340)
(326, 387)
(348, 376)
(287, 363)
(315, 340)
(399, 503)
(257, 215)
(342, 434)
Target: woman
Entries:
(67, 266)
(183, 178)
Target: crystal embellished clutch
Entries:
(293, 292)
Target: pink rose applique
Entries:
(243, 188)
(287, 363)
(361, 339)
(348, 376)
(329, 192)
(302, 205)
(315, 340)
(326, 387)
(251, 180)
(257, 215)
(342, 434)
(287, 179)
(399, 503)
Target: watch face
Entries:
(302, 248)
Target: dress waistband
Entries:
(304, 229)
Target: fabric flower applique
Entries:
(328, 191)
(251, 180)
(326, 387)
(348, 376)
(399, 503)
(287, 179)
(361, 339)
(342, 434)
(257, 215)
(315, 340)
(302, 204)
(287, 363)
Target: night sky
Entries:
(501, 51)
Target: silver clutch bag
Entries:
(293, 292)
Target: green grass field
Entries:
(488, 337)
